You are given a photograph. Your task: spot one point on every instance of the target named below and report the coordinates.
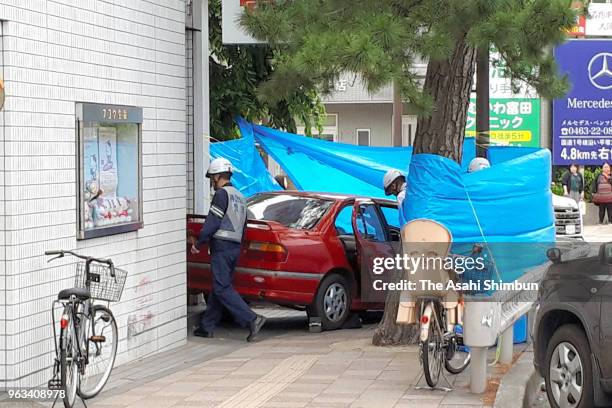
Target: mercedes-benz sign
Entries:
(600, 70)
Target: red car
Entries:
(305, 250)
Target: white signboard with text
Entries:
(231, 31)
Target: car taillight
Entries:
(267, 251)
(64, 321)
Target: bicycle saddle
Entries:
(80, 293)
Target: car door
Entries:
(373, 244)
(604, 292)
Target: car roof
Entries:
(330, 196)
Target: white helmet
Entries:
(389, 178)
(220, 165)
(478, 163)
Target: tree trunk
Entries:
(388, 333)
(449, 82)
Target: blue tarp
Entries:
(250, 173)
(319, 165)
(507, 205)
(510, 202)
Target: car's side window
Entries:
(372, 225)
(391, 215)
(344, 221)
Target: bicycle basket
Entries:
(102, 285)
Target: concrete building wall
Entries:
(374, 116)
(57, 52)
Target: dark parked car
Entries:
(302, 251)
(573, 330)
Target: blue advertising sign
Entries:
(582, 120)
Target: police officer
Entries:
(394, 182)
(224, 229)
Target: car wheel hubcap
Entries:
(335, 302)
(566, 375)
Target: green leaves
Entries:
(375, 39)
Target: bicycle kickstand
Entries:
(418, 385)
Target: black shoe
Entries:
(255, 326)
(202, 333)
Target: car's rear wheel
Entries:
(332, 302)
(569, 375)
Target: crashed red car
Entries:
(305, 250)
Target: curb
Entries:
(518, 384)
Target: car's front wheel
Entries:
(568, 375)
(332, 301)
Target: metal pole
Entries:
(201, 122)
(397, 116)
(482, 102)
(507, 345)
(478, 370)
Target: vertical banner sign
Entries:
(582, 120)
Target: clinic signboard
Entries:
(582, 119)
(514, 109)
(512, 121)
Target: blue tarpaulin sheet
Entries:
(505, 206)
(508, 203)
(319, 165)
(250, 173)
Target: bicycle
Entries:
(439, 345)
(87, 345)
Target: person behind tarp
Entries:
(477, 164)
(573, 184)
(394, 183)
(224, 229)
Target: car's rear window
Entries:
(288, 210)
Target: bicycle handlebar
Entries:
(60, 253)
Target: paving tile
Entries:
(155, 402)
(120, 400)
(326, 398)
(404, 403)
(285, 404)
(348, 386)
(361, 374)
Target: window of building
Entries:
(363, 137)
(329, 131)
(109, 179)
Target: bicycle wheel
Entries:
(69, 369)
(101, 354)
(432, 352)
(457, 357)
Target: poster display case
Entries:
(109, 172)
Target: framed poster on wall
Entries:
(109, 172)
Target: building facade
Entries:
(96, 100)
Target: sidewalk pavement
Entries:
(288, 368)
(597, 233)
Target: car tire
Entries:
(332, 302)
(571, 372)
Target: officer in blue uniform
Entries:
(223, 230)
